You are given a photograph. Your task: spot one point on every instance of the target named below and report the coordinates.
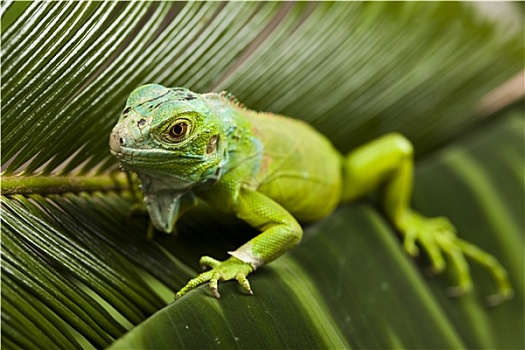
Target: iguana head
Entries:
(173, 141)
(168, 133)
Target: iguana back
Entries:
(293, 164)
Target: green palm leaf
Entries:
(76, 273)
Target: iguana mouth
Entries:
(127, 153)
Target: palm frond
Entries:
(353, 70)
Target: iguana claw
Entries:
(437, 236)
(229, 269)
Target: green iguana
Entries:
(272, 172)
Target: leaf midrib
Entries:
(25, 185)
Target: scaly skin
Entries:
(272, 172)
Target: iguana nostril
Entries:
(116, 141)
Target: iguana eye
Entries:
(178, 131)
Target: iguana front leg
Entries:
(387, 163)
(279, 233)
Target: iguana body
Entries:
(272, 172)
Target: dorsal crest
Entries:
(231, 98)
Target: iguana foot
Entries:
(229, 269)
(437, 236)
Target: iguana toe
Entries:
(229, 269)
